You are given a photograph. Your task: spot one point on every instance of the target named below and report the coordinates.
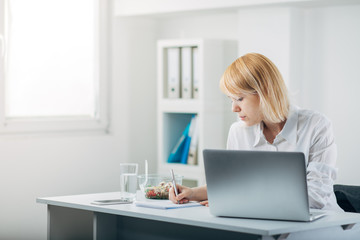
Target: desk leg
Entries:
(105, 226)
(347, 226)
(69, 223)
(281, 236)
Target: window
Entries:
(53, 67)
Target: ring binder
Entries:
(186, 72)
(173, 70)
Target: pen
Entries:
(174, 183)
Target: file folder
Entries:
(188, 139)
(177, 152)
(193, 133)
(185, 152)
(196, 72)
(173, 72)
(186, 72)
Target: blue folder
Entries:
(178, 151)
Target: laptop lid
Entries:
(257, 184)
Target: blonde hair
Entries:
(254, 73)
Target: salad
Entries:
(158, 192)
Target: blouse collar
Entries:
(289, 131)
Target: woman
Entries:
(268, 122)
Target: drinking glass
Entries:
(128, 180)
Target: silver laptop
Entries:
(258, 184)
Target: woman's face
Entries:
(247, 106)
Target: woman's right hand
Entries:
(184, 196)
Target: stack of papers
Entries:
(164, 204)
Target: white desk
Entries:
(73, 217)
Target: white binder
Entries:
(173, 72)
(186, 72)
(196, 72)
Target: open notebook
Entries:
(164, 204)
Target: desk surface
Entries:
(199, 216)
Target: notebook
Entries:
(258, 184)
(164, 204)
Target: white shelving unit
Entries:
(175, 114)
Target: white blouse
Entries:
(304, 131)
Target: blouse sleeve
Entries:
(321, 171)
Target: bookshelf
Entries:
(175, 113)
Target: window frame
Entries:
(100, 121)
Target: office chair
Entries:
(348, 197)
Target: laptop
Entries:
(258, 184)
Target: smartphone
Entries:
(112, 201)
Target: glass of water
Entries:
(128, 180)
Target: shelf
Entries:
(183, 167)
(189, 172)
(174, 114)
(180, 105)
(173, 125)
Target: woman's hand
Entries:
(205, 203)
(184, 196)
(187, 194)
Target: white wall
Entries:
(50, 166)
(67, 164)
(332, 80)
(323, 68)
(135, 78)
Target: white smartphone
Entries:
(111, 201)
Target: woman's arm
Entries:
(321, 171)
(187, 194)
